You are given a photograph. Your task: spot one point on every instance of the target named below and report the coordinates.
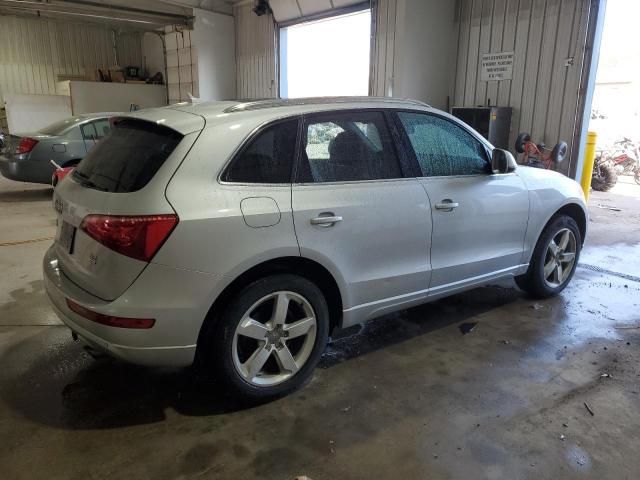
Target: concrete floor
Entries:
(409, 397)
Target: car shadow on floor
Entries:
(63, 387)
(31, 195)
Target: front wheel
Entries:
(270, 337)
(554, 259)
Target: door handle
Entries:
(447, 205)
(326, 220)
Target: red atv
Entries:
(623, 159)
(538, 155)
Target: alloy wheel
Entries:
(274, 339)
(560, 258)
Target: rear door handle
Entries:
(326, 220)
(447, 205)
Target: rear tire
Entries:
(606, 179)
(559, 152)
(522, 139)
(553, 263)
(255, 350)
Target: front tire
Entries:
(270, 337)
(554, 259)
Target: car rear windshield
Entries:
(128, 157)
(58, 128)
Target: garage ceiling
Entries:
(133, 14)
(291, 10)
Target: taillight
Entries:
(137, 237)
(26, 145)
(110, 320)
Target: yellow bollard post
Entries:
(587, 168)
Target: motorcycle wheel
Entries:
(604, 178)
(636, 177)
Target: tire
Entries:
(534, 281)
(606, 179)
(228, 354)
(636, 176)
(559, 152)
(522, 138)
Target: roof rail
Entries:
(272, 103)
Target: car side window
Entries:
(268, 158)
(102, 127)
(89, 131)
(443, 148)
(348, 146)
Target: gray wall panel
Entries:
(544, 89)
(36, 51)
(255, 54)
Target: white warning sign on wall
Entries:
(496, 66)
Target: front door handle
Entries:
(326, 220)
(447, 205)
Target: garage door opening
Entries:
(327, 57)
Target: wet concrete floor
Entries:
(410, 396)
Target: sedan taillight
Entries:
(26, 145)
(138, 237)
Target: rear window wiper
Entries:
(89, 184)
(85, 182)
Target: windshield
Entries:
(59, 127)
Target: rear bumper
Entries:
(177, 299)
(25, 170)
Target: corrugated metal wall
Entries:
(548, 38)
(383, 47)
(256, 71)
(34, 52)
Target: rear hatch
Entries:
(112, 213)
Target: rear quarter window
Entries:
(128, 157)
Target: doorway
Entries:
(328, 57)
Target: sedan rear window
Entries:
(128, 157)
(58, 128)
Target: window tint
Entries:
(89, 131)
(58, 128)
(128, 158)
(102, 127)
(268, 158)
(348, 147)
(442, 147)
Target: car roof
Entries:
(294, 105)
(188, 117)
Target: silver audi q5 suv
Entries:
(237, 236)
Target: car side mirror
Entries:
(502, 161)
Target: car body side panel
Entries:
(549, 191)
(221, 239)
(484, 234)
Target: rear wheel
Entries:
(554, 259)
(559, 152)
(270, 337)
